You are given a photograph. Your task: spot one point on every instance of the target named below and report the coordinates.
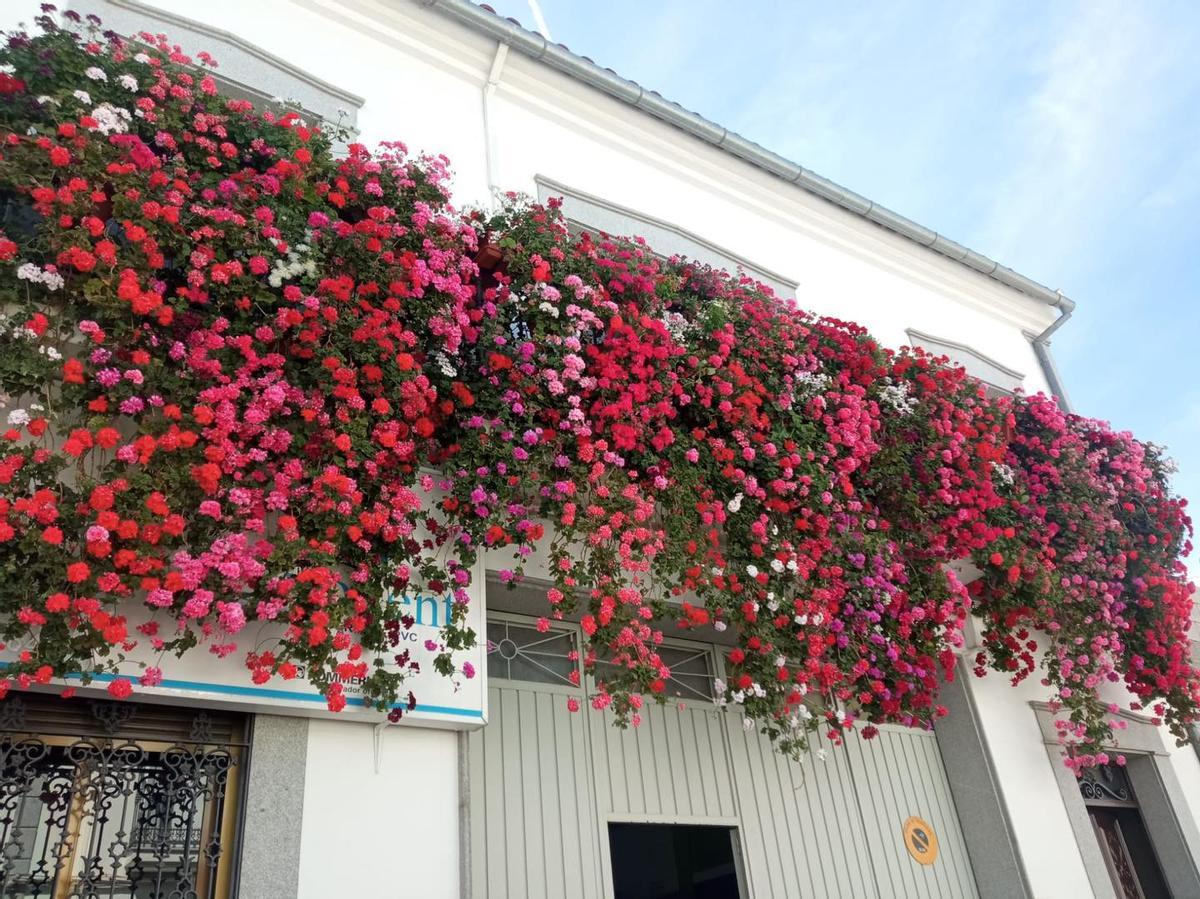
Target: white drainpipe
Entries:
(489, 88)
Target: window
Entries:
(247, 72)
(671, 861)
(1000, 379)
(117, 799)
(692, 675)
(522, 652)
(587, 212)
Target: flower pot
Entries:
(488, 257)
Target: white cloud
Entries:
(1082, 132)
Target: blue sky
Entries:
(1061, 139)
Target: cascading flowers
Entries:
(247, 381)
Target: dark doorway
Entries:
(670, 861)
(1124, 843)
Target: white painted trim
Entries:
(986, 369)
(269, 59)
(706, 248)
(552, 95)
(684, 820)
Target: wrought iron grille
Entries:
(1106, 785)
(520, 652)
(116, 800)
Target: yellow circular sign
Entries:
(920, 840)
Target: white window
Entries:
(246, 71)
(519, 651)
(692, 673)
(586, 212)
(998, 377)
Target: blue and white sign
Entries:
(199, 677)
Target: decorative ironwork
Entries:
(202, 728)
(519, 652)
(97, 801)
(692, 675)
(12, 714)
(1107, 784)
(113, 715)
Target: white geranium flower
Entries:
(677, 326)
(128, 82)
(83, 97)
(30, 272)
(896, 396)
(1004, 473)
(811, 382)
(142, 58)
(96, 73)
(110, 119)
(18, 418)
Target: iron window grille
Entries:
(521, 652)
(117, 800)
(692, 677)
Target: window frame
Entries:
(996, 376)
(706, 650)
(247, 71)
(564, 628)
(595, 214)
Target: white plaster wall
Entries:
(422, 76)
(1025, 771)
(1043, 834)
(1187, 768)
(391, 834)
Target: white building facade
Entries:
(500, 791)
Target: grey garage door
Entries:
(545, 784)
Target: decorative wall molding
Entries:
(977, 365)
(1139, 735)
(1158, 794)
(592, 212)
(250, 70)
